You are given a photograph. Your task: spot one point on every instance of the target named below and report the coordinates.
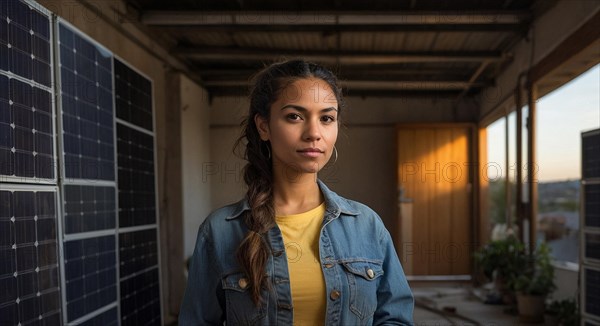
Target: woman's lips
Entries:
(310, 152)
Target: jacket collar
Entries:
(334, 204)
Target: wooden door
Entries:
(435, 179)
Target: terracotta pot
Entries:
(531, 308)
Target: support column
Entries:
(532, 165)
(519, 159)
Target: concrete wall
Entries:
(365, 170)
(547, 32)
(195, 153)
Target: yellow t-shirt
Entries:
(301, 239)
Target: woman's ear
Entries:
(263, 127)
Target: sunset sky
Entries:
(562, 116)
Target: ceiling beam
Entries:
(242, 91)
(370, 84)
(336, 57)
(335, 21)
(343, 28)
(207, 18)
(351, 73)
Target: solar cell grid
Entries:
(87, 107)
(26, 130)
(90, 274)
(137, 251)
(25, 42)
(140, 299)
(133, 96)
(89, 208)
(137, 201)
(29, 254)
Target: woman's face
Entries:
(303, 126)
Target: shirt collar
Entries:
(334, 204)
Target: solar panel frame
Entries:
(45, 278)
(66, 86)
(137, 177)
(585, 269)
(589, 228)
(133, 101)
(156, 200)
(66, 182)
(49, 87)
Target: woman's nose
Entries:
(312, 131)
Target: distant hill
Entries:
(559, 196)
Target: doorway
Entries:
(435, 182)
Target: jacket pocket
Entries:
(239, 304)
(363, 276)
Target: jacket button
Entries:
(370, 273)
(334, 295)
(328, 265)
(243, 283)
(277, 253)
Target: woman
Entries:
(292, 251)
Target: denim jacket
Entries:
(365, 283)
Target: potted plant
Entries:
(501, 261)
(534, 284)
(562, 313)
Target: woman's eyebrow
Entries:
(303, 109)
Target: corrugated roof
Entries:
(398, 42)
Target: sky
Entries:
(562, 115)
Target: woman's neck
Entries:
(295, 193)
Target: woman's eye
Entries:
(328, 118)
(293, 116)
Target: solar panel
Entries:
(138, 249)
(140, 299)
(89, 208)
(25, 42)
(87, 107)
(133, 96)
(87, 121)
(26, 128)
(29, 254)
(590, 154)
(90, 275)
(29, 281)
(591, 195)
(137, 197)
(592, 292)
(592, 246)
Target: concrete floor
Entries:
(431, 296)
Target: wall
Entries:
(195, 152)
(566, 278)
(365, 170)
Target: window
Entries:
(562, 116)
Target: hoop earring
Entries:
(268, 150)
(336, 154)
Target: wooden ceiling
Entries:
(450, 48)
